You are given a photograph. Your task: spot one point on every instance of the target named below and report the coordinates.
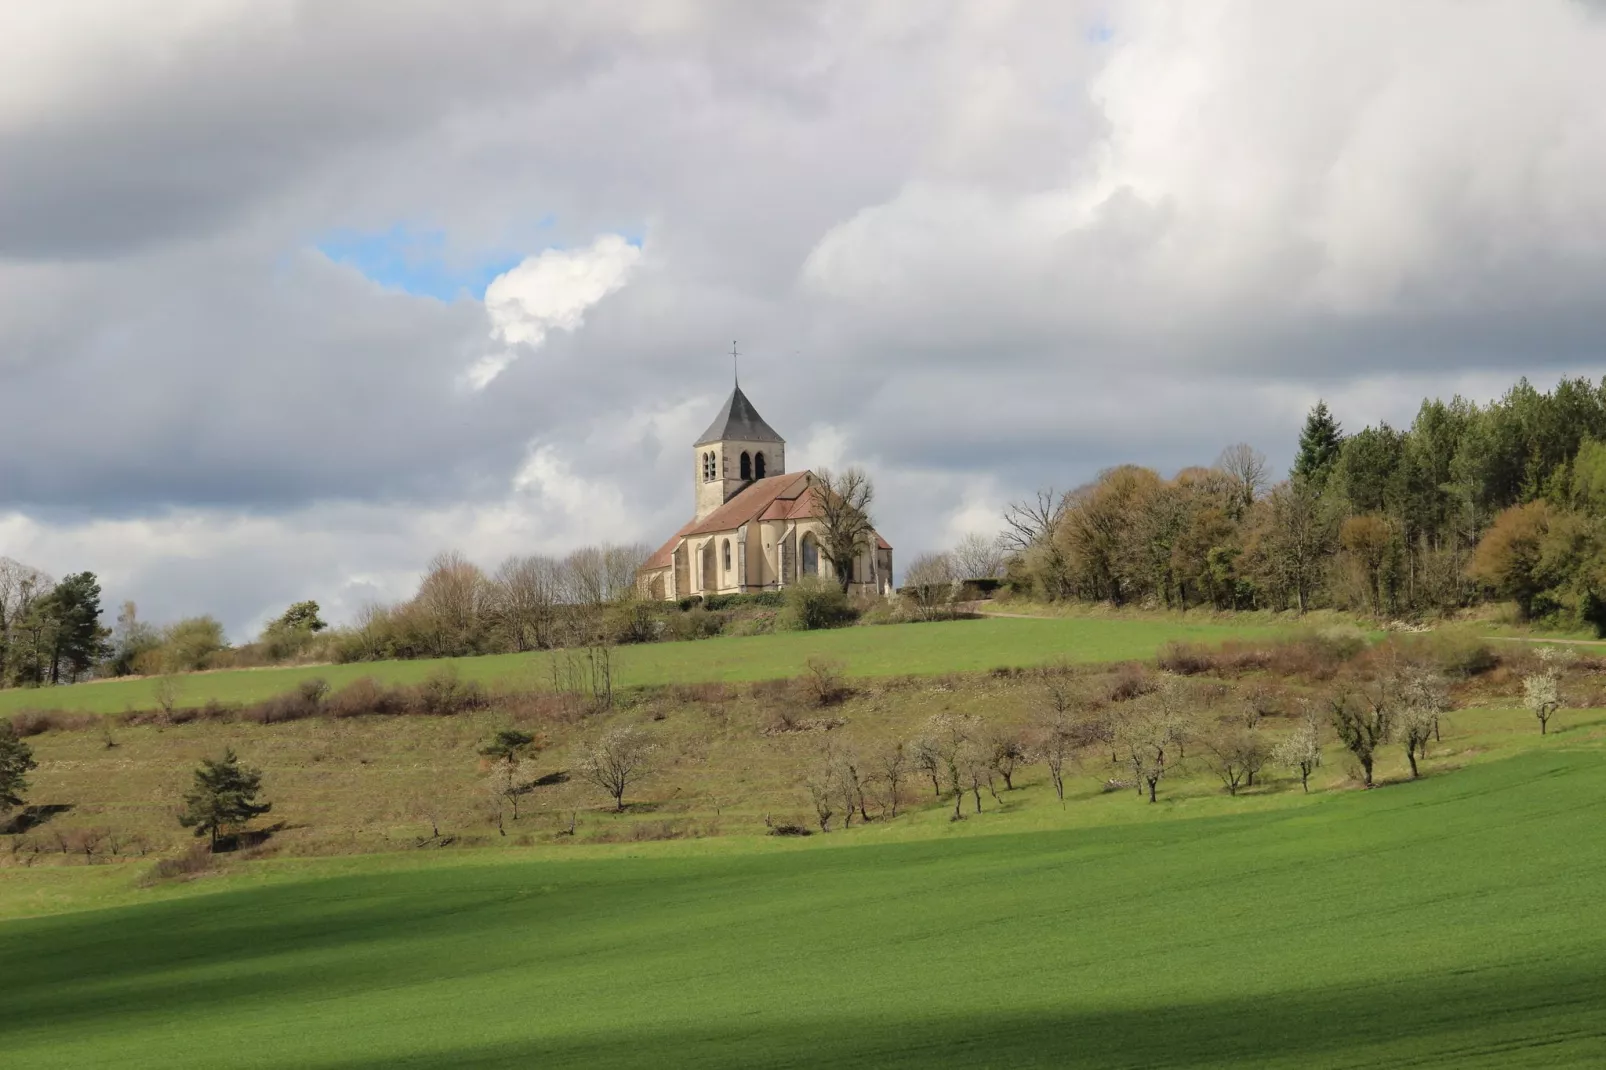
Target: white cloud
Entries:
(547, 292)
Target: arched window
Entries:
(710, 469)
(758, 467)
(725, 553)
(811, 555)
(747, 466)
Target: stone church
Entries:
(756, 526)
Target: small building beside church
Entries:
(756, 526)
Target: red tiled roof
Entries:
(785, 497)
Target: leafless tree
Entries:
(616, 759)
(619, 567)
(452, 597)
(1007, 752)
(1056, 734)
(167, 689)
(20, 586)
(1028, 523)
(1151, 737)
(1236, 755)
(1246, 467)
(892, 766)
(933, 582)
(846, 531)
(822, 793)
(976, 557)
(525, 594)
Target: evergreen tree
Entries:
(80, 639)
(224, 797)
(1319, 445)
(16, 759)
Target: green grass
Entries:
(1456, 922)
(890, 650)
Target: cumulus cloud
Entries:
(978, 246)
(549, 292)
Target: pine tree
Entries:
(16, 759)
(224, 797)
(1319, 444)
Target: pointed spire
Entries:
(738, 421)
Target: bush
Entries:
(442, 693)
(36, 722)
(696, 623)
(768, 599)
(813, 603)
(366, 696)
(823, 681)
(192, 863)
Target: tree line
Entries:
(1471, 502)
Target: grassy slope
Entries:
(1453, 922)
(890, 650)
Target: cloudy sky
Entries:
(295, 294)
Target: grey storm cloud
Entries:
(979, 247)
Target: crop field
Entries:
(1454, 921)
(889, 650)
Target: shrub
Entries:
(365, 696)
(823, 681)
(36, 722)
(442, 693)
(192, 863)
(695, 623)
(1129, 682)
(813, 603)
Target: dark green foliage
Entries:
(16, 759)
(223, 798)
(509, 745)
(301, 616)
(1319, 444)
(60, 639)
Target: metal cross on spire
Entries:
(735, 374)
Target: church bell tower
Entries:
(738, 449)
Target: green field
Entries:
(889, 650)
(1456, 922)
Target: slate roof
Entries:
(738, 421)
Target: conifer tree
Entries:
(16, 759)
(1319, 444)
(224, 797)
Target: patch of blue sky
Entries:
(417, 261)
(1100, 32)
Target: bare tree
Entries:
(844, 514)
(1028, 523)
(616, 759)
(525, 594)
(1056, 735)
(1246, 467)
(20, 587)
(1302, 748)
(892, 765)
(1007, 752)
(619, 567)
(452, 597)
(167, 689)
(933, 582)
(1236, 755)
(976, 557)
(1152, 736)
